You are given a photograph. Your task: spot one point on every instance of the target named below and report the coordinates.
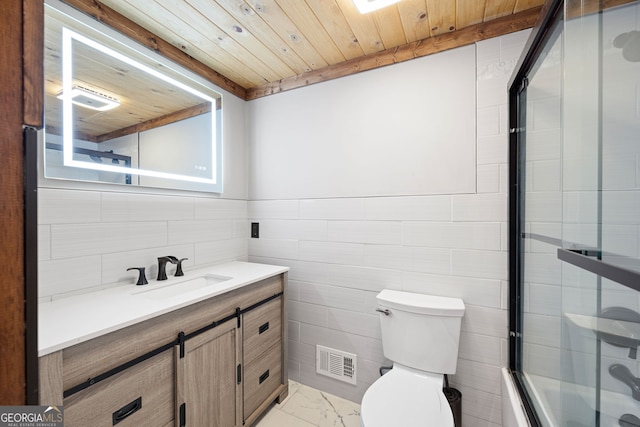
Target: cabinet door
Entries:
(207, 379)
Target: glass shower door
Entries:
(576, 239)
(580, 186)
(558, 192)
(620, 211)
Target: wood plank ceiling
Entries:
(259, 47)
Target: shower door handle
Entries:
(584, 259)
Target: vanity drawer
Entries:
(261, 329)
(142, 395)
(261, 378)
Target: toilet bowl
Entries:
(420, 335)
(406, 397)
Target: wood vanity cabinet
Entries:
(215, 363)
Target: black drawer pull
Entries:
(263, 328)
(127, 410)
(263, 377)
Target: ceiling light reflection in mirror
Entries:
(71, 40)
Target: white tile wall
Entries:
(491, 150)
(472, 290)
(332, 209)
(180, 232)
(343, 250)
(72, 240)
(371, 232)
(427, 260)
(87, 239)
(130, 207)
(64, 207)
(423, 208)
(467, 235)
(488, 178)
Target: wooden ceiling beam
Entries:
(134, 31)
(428, 46)
(186, 113)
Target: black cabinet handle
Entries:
(183, 415)
(127, 410)
(263, 377)
(263, 328)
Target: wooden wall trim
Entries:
(12, 312)
(110, 17)
(428, 46)
(33, 116)
(33, 43)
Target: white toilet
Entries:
(420, 335)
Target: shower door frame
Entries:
(590, 260)
(551, 15)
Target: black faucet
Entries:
(175, 260)
(162, 266)
(142, 279)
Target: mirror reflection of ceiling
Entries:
(145, 101)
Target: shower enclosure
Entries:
(575, 216)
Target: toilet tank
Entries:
(421, 331)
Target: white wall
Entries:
(89, 234)
(347, 239)
(400, 130)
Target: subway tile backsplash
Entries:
(73, 240)
(88, 239)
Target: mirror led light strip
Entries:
(68, 36)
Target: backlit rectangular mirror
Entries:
(117, 113)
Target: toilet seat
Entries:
(406, 397)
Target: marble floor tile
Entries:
(277, 418)
(306, 407)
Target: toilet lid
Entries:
(404, 398)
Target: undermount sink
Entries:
(163, 291)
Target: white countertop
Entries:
(71, 320)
